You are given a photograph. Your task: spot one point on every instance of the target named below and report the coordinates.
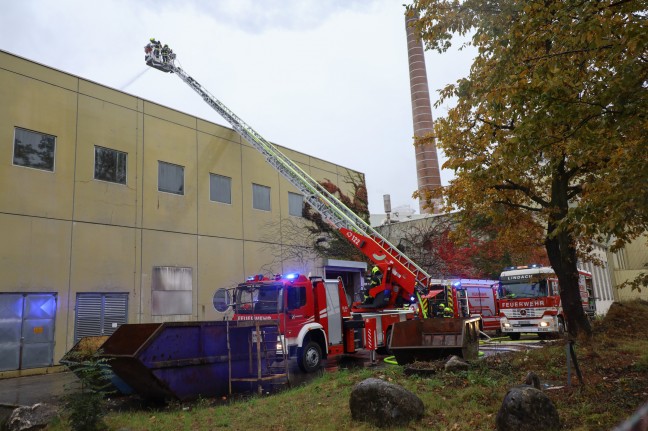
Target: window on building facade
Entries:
(295, 204)
(171, 291)
(34, 149)
(260, 197)
(220, 188)
(110, 165)
(170, 178)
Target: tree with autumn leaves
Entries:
(549, 128)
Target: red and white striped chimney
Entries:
(427, 162)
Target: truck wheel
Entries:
(514, 336)
(309, 357)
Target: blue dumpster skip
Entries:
(185, 360)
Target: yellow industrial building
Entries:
(114, 209)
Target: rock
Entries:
(384, 404)
(455, 363)
(31, 418)
(526, 408)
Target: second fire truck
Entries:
(530, 301)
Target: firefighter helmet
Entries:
(375, 269)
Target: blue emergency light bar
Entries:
(531, 265)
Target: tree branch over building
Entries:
(298, 241)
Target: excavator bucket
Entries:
(185, 360)
(435, 338)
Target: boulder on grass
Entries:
(526, 408)
(31, 418)
(384, 404)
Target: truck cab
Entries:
(309, 311)
(530, 300)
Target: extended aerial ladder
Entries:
(403, 276)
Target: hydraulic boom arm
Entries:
(405, 275)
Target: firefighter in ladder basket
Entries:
(375, 279)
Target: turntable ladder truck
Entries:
(399, 270)
(402, 281)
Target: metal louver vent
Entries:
(99, 314)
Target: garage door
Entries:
(26, 330)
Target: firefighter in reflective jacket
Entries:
(166, 52)
(438, 309)
(447, 312)
(374, 280)
(155, 45)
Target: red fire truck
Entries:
(482, 300)
(314, 317)
(467, 297)
(530, 300)
(306, 305)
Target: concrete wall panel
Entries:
(166, 249)
(38, 71)
(37, 106)
(259, 225)
(220, 265)
(107, 94)
(110, 126)
(220, 157)
(174, 144)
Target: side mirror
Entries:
(222, 300)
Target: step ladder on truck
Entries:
(314, 317)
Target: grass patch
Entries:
(616, 384)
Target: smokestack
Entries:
(387, 204)
(427, 162)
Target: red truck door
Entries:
(299, 308)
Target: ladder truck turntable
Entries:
(314, 317)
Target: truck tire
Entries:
(514, 336)
(309, 357)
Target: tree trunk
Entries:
(562, 256)
(561, 249)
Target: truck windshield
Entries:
(524, 290)
(259, 299)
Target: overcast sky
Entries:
(325, 77)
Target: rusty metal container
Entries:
(185, 360)
(435, 338)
